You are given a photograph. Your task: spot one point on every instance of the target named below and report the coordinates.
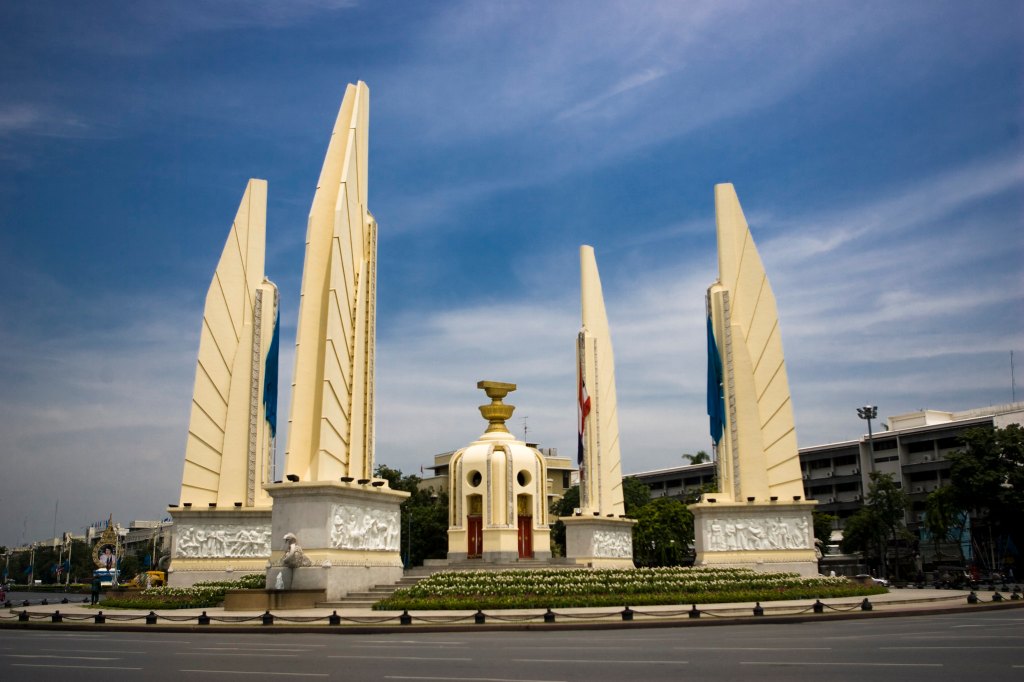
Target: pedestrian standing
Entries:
(96, 589)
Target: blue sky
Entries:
(876, 148)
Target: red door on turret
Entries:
(525, 537)
(476, 536)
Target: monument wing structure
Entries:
(598, 535)
(757, 453)
(599, 458)
(757, 519)
(331, 421)
(348, 523)
(222, 523)
(229, 450)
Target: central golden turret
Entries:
(497, 412)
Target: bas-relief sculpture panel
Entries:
(355, 527)
(740, 533)
(613, 544)
(223, 540)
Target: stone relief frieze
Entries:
(613, 544)
(355, 527)
(757, 533)
(217, 541)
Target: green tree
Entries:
(987, 479)
(565, 506)
(823, 525)
(889, 502)
(663, 533)
(424, 517)
(635, 495)
(945, 520)
(700, 458)
(865, 532)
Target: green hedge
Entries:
(200, 595)
(617, 587)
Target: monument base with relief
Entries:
(218, 544)
(350, 537)
(768, 537)
(599, 542)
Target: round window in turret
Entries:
(474, 478)
(523, 478)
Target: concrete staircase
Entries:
(365, 600)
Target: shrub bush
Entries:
(200, 595)
(613, 587)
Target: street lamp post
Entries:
(869, 412)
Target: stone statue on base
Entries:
(293, 556)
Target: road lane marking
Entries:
(600, 663)
(402, 658)
(241, 648)
(250, 654)
(73, 667)
(894, 648)
(64, 658)
(250, 672)
(752, 648)
(465, 679)
(851, 664)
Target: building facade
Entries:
(912, 447)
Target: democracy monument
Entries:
(757, 519)
(327, 527)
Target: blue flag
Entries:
(716, 401)
(270, 377)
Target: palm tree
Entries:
(699, 458)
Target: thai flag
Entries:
(583, 410)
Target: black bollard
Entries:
(627, 613)
(268, 618)
(972, 598)
(405, 618)
(818, 606)
(549, 616)
(204, 619)
(64, 600)
(1013, 597)
(151, 618)
(99, 618)
(694, 613)
(866, 605)
(23, 617)
(997, 597)
(758, 609)
(334, 619)
(44, 602)
(56, 617)
(479, 618)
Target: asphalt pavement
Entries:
(964, 645)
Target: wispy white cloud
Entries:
(29, 119)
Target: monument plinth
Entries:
(349, 532)
(218, 544)
(757, 519)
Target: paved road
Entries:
(985, 646)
